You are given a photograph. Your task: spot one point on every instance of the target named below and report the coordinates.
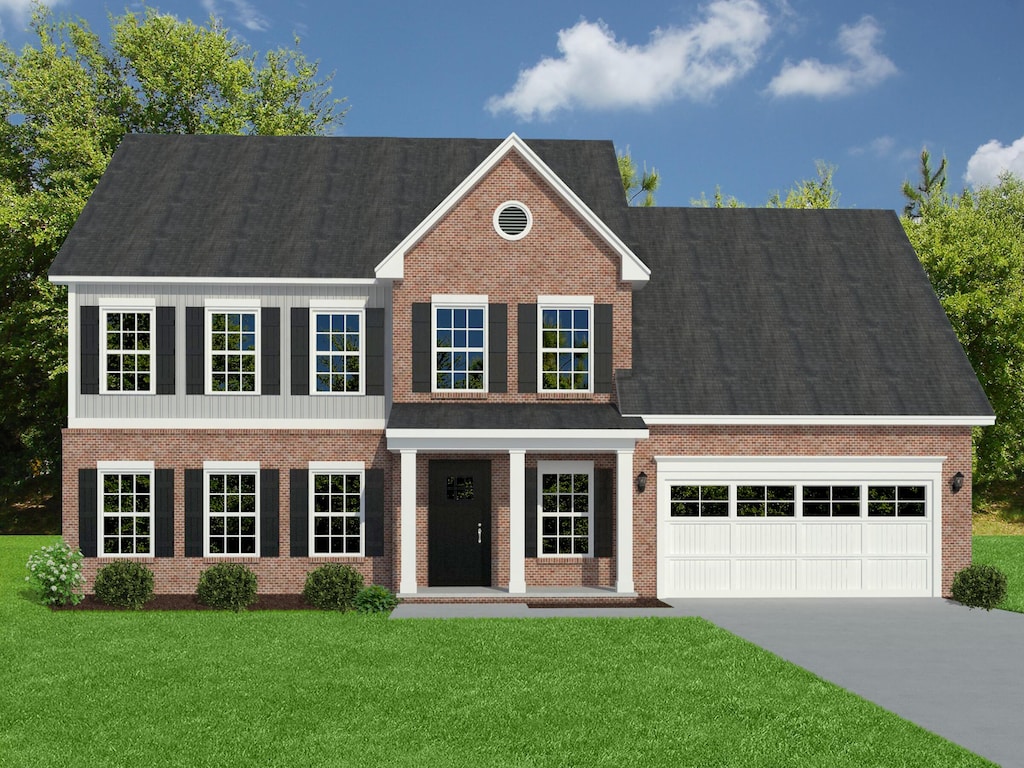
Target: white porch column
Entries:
(517, 522)
(624, 522)
(407, 574)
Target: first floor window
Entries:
(128, 351)
(231, 513)
(565, 509)
(127, 513)
(459, 348)
(565, 349)
(233, 352)
(337, 515)
(338, 346)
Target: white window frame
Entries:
(337, 468)
(136, 306)
(561, 303)
(564, 467)
(229, 468)
(231, 306)
(337, 307)
(104, 468)
(454, 302)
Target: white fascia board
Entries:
(826, 420)
(505, 440)
(631, 268)
(777, 468)
(346, 425)
(94, 279)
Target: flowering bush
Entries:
(55, 573)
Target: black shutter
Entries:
(603, 331)
(373, 515)
(421, 347)
(300, 351)
(270, 328)
(89, 346)
(163, 513)
(527, 347)
(604, 511)
(298, 512)
(374, 354)
(270, 505)
(531, 512)
(165, 350)
(193, 513)
(88, 523)
(194, 351)
(497, 348)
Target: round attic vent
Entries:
(512, 220)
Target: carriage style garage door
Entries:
(799, 526)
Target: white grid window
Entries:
(126, 506)
(338, 350)
(231, 512)
(565, 508)
(831, 501)
(459, 351)
(336, 517)
(128, 350)
(699, 501)
(765, 501)
(565, 348)
(232, 336)
(897, 501)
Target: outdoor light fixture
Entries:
(957, 483)
(641, 482)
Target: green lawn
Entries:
(1007, 553)
(306, 689)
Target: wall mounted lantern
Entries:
(641, 482)
(957, 482)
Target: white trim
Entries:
(119, 279)
(122, 303)
(571, 467)
(125, 466)
(126, 306)
(453, 303)
(128, 468)
(232, 303)
(497, 215)
(460, 299)
(74, 331)
(517, 522)
(575, 302)
(503, 440)
(407, 524)
(239, 306)
(340, 303)
(631, 268)
(624, 522)
(230, 468)
(756, 467)
(227, 423)
(823, 420)
(335, 308)
(339, 468)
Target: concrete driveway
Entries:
(954, 671)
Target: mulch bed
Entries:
(640, 602)
(190, 603)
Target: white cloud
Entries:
(244, 13)
(19, 11)
(597, 71)
(992, 159)
(864, 67)
(880, 147)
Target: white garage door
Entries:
(788, 527)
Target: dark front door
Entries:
(459, 524)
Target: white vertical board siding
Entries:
(180, 408)
(798, 556)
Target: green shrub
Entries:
(980, 586)
(332, 587)
(124, 584)
(55, 574)
(227, 585)
(375, 599)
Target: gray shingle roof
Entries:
(491, 416)
(789, 312)
(288, 206)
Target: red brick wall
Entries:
(463, 254)
(951, 442)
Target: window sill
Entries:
(565, 558)
(230, 559)
(138, 558)
(457, 395)
(565, 395)
(337, 558)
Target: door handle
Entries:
(479, 533)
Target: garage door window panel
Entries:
(699, 501)
(896, 501)
(766, 501)
(831, 501)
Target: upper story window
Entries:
(128, 350)
(338, 351)
(460, 325)
(565, 342)
(232, 335)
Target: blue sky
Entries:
(745, 94)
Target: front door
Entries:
(459, 524)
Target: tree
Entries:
(972, 247)
(67, 101)
(636, 183)
(932, 187)
(719, 200)
(810, 193)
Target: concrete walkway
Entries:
(956, 672)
